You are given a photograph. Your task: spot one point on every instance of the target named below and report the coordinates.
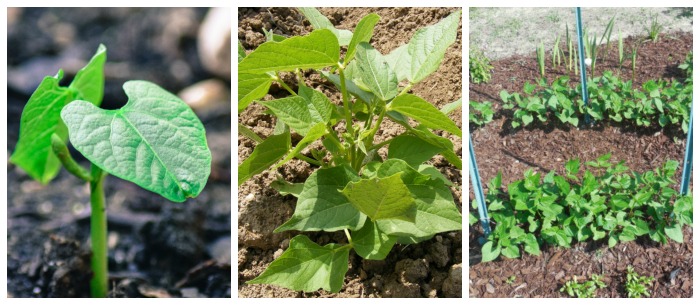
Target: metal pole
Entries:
(581, 60)
(478, 190)
(688, 160)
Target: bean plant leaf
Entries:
(264, 155)
(400, 62)
(382, 198)
(318, 21)
(412, 149)
(241, 51)
(41, 117)
(452, 106)
(306, 266)
(321, 205)
(446, 144)
(675, 232)
(424, 112)
(352, 88)
(376, 73)
(490, 251)
(371, 243)
(363, 33)
(252, 87)
(316, 50)
(155, 140)
(428, 46)
(303, 111)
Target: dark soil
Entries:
(498, 147)
(429, 269)
(157, 248)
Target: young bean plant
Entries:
(378, 202)
(155, 141)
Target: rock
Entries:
(412, 271)
(207, 96)
(452, 286)
(214, 43)
(220, 250)
(191, 292)
(490, 288)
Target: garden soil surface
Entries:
(430, 269)
(547, 147)
(157, 248)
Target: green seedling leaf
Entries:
(321, 205)
(400, 62)
(241, 51)
(675, 232)
(434, 173)
(264, 155)
(531, 245)
(307, 266)
(490, 251)
(314, 134)
(244, 130)
(41, 117)
(382, 198)
(371, 243)
(155, 140)
(428, 46)
(303, 111)
(252, 87)
(452, 106)
(316, 50)
(376, 72)
(363, 33)
(412, 149)
(446, 144)
(424, 112)
(285, 188)
(318, 21)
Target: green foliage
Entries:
(540, 58)
(377, 202)
(654, 28)
(155, 141)
(558, 210)
(687, 65)
(636, 285)
(610, 99)
(480, 114)
(586, 289)
(479, 66)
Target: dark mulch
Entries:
(499, 147)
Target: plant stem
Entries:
(347, 234)
(61, 150)
(379, 145)
(284, 85)
(379, 122)
(348, 112)
(307, 159)
(98, 234)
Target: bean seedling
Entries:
(155, 141)
(376, 202)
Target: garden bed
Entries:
(428, 269)
(547, 147)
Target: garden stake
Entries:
(584, 85)
(688, 160)
(478, 190)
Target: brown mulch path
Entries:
(498, 147)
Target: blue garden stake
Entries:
(478, 190)
(581, 60)
(688, 160)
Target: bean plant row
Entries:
(608, 203)
(377, 202)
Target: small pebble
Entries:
(490, 288)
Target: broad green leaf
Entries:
(264, 155)
(572, 167)
(412, 149)
(363, 33)
(428, 46)
(531, 245)
(155, 140)
(241, 51)
(527, 119)
(400, 62)
(375, 72)
(446, 144)
(90, 80)
(306, 266)
(321, 205)
(675, 232)
(490, 251)
(511, 251)
(285, 188)
(303, 111)
(436, 210)
(371, 243)
(472, 219)
(452, 106)
(314, 134)
(424, 112)
(252, 87)
(247, 132)
(382, 198)
(434, 173)
(316, 50)
(318, 21)
(40, 119)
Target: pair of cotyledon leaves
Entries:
(155, 140)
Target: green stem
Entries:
(284, 85)
(307, 159)
(379, 145)
(348, 113)
(347, 234)
(61, 150)
(379, 122)
(405, 90)
(98, 234)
